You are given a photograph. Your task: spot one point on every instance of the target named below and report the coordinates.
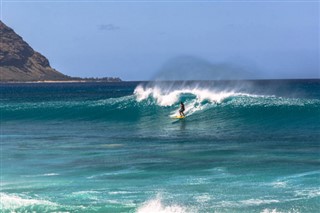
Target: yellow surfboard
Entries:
(179, 117)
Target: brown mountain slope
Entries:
(19, 62)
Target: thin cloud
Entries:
(108, 27)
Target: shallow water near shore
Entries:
(245, 146)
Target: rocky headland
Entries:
(21, 63)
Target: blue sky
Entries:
(135, 40)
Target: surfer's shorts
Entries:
(181, 110)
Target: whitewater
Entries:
(244, 146)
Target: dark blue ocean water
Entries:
(245, 146)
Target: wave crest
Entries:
(165, 97)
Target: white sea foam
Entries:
(249, 202)
(203, 198)
(157, 206)
(13, 202)
(270, 211)
(51, 174)
(309, 193)
(41, 175)
(198, 99)
(120, 192)
(115, 173)
(197, 181)
(166, 97)
(278, 211)
(257, 202)
(279, 184)
(85, 192)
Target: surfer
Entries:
(181, 109)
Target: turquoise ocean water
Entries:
(245, 146)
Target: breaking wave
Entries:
(163, 101)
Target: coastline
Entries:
(118, 81)
(60, 81)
